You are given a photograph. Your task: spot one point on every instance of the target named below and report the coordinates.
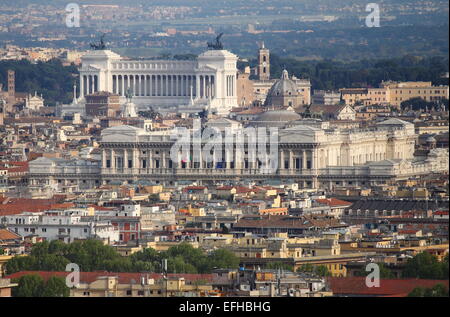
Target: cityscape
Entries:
(196, 149)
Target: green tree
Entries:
(55, 287)
(384, 271)
(178, 265)
(30, 285)
(277, 265)
(319, 270)
(322, 270)
(20, 263)
(223, 259)
(306, 268)
(439, 290)
(425, 265)
(193, 259)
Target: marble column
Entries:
(82, 86)
(197, 87)
(291, 160)
(304, 159)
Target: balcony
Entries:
(205, 172)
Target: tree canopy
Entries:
(332, 74)
(33, 285)
(425, 265)
(439, 290)
(92, 255)
(319, 270)
(51, 79)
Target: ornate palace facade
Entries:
(309, 153)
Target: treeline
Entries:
(51, 79)
(33, 285)
(55, 81)
(332, 74)
(423, 265)
(92, 255)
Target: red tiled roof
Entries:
(388, 287)
(333, 202)
(12, 206)
(100, 208)
(408, 231)
(224, 188)
(242, 190)
(124, 278)
(5, 234)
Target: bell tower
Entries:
(263, 63)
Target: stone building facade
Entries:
(210, 80)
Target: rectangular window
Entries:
(108, 163)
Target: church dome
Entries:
(276, 118)
(282, 88)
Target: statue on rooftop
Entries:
(99, 46)
(129, 94)
(217, 45)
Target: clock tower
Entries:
(263, 63)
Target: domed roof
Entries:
(276, 118)
(282, 87)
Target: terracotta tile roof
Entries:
(124, 278)
(5, 234)
(333, 202)
(225, 188)
(243, 190)
(12, 206)
(270, 210)
(331, 109)
(388, 287)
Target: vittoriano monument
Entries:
(217, 45)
